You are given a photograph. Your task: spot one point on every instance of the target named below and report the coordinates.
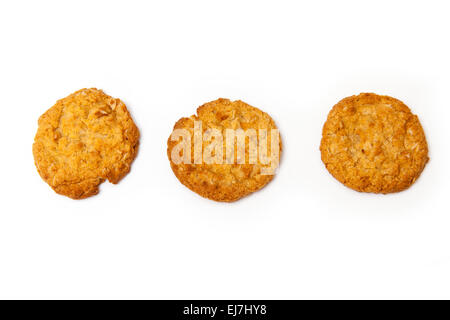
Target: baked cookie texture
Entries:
(224, 182)
(373, 143)
(83, 140)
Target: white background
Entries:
(305, 235)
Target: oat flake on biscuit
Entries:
(373, 143)
(83, 140)
(224, 182)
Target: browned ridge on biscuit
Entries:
(83, 140)
(373, 143)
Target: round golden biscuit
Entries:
(227, 181)
(82, 140)
(373, 143)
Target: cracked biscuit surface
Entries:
(83, 140)
(373, 143)
(226, 182)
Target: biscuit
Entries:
(373, 143)
(226, 181)
(83, 140)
